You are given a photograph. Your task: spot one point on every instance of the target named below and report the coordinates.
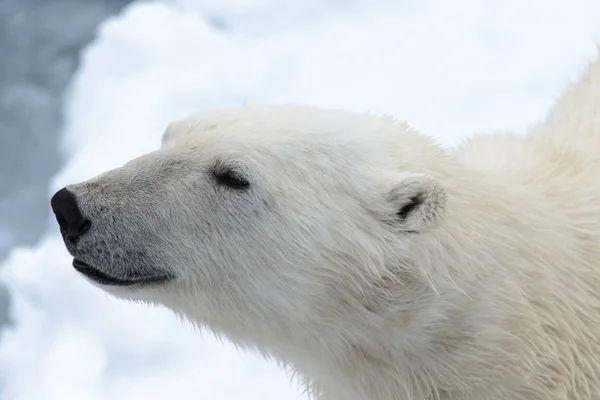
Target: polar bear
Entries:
(362, 255)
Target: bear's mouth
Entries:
(105, 279)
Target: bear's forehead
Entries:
(282, 129)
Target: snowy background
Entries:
(87, 84)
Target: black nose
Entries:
(72, 224)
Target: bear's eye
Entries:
(230, 179)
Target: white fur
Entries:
(489, 289)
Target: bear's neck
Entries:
(455, 332)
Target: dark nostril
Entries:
(70, 220)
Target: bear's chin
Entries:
(102, 278)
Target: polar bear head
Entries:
(262, 221)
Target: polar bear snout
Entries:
(98, 237)
(71, 221)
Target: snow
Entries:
(448, 68)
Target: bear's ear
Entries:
(170, 132)
(418, 201)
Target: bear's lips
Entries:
(104, 279)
